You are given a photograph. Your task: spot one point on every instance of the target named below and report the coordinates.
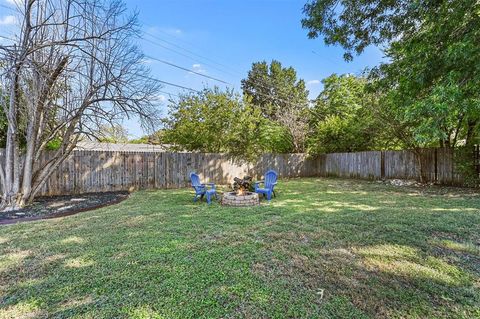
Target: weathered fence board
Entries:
(100, 171)
(354, 165)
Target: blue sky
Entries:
(221, 38)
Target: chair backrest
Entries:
(195, 179)
(270, 178)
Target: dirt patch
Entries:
(59, 206)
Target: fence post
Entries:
(382, 165)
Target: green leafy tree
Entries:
(355, 25)
(343, 118)
(430, 83)
(216, 121)
(281, 97)
(274, 138)
(141, 140)
(433, 77)
(274, 88)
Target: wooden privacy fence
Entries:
(438, 165)
(101, 171)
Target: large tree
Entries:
(431, 78)
(210, 121)
(343, 118)
(434, 75)
(216, 121)
(355, 25)
(72, 68)
(281, 97)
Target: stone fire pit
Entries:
(240, 200)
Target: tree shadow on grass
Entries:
(158, 254)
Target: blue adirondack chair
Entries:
(201, 189)
(268, 184)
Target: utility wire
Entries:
(162, 61)
(206, 58)
(183, 54)
(186, 69)
(189, 51)
(182, 68)
(168, 83)
(7, 38)
(169, 93)
(7, 7)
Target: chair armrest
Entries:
(212, 185)
(259, 182)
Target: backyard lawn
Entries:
(327, 248)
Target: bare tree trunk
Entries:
(10, 191)
(74, 69)
(471, 129)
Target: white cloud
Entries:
(173, 31)
(198, 68)
(160, 98)
(147, 61)
(165, 30)
(8, 20)
(313, 82)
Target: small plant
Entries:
(54, 144)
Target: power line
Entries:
(153, 42)
(7, 7)
(169, 93)
(185, 55)
(189, 51)
(7, 38)
(155, 29)
(186, 69)
(206, 58)
(169, 83)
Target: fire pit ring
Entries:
(243, 200)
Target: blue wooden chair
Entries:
(201, 189)
(268, 184)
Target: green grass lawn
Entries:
(324, 248)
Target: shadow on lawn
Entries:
(152, 256)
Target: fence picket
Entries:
(99, 171)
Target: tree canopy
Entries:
(430, 78)
(274, 88)
(216, 121)
(343, 118)
(281, 97)
(355, 25)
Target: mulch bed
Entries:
(60, 206)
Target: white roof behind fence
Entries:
(120, 147)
